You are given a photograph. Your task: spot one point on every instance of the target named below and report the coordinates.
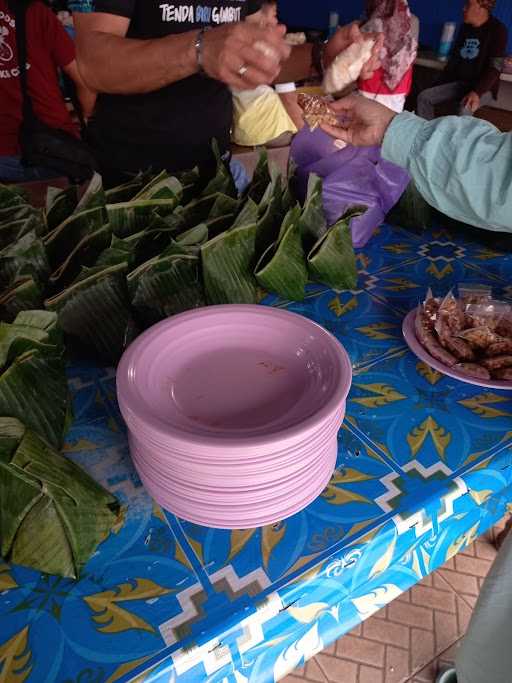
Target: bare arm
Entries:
(86, 97)
(112, 63)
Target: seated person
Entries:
(391, 84)
(265, 116)
(49, 48)
(471, 76)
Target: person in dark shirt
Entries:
(163, 71)
(471, 76)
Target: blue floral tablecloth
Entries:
(424, 467)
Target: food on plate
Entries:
(504, 374)
(347, 66)
(498, 362)
(427, 339)
(473, 370)
(316, 111)
(471, 334)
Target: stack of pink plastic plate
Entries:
(233, 412)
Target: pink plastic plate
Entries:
(234, 376)
(423, 354)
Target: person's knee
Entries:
(426, 96)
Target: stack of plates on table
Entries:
(233, 412)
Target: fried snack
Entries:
(504, 327)
(431, 307)
(427, 339)
(479, 338)
(498, 362)
(504, 373)
(473, 370)
(316, 111)
(450, 317)
(460, 348)
(502, 347)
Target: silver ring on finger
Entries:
(243, 70)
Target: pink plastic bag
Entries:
(351, 176)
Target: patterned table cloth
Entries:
(424, 467)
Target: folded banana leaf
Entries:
(332, 260)
(26, 256)
(119, 251)
(19, 212)
(27, 356)
(188, 243)
(260, 179)
(93, 197)
(312, 221)
(282, 268)
(95, 311)
(162, 186)
(223, 180)
(13, 230)
(412, 211)
(25, 293)
(53, 515)
(85, 253)
(186, 217)
(44, 321)
(270, 221)
(12, 195)
(60, 204)
(228, 263)
(248, 215)
(127, 191)
(129, 218)
(166, 286)
(191, 183)
(61, 241)
(224, 206)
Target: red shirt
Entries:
(376, 85)
(48, 48)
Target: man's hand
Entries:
(345, 36)
(244, 55)
(362, 121)
(472, 101)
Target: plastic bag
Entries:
(350, 176)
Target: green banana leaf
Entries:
(332, 260)
(93, 197)
(191, 182)
(228, 263)
(119, 251)
(28, 356)
(312, 221)
(24, 293)
(127, 191)
(42, 320)
(270, 221)
(223, 180)
(412, 211)
(13, 230)
(19, 212)
(248, 215)
(53, 515)
(282, 268)
(166, 286)
(162, 186)
(186, 217)
(60, 204)
(12, 195)
(260, 179)
(95, 311)
(224, 206)
(61, 241)
(26, 256)
(85, 253)
(188, 243)
(129, 218)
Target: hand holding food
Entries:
(364, 122)
(316, 110)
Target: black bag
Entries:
(40, 144)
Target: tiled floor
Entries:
(411, 637)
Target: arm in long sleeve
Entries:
(462, 166)
(490, 76)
